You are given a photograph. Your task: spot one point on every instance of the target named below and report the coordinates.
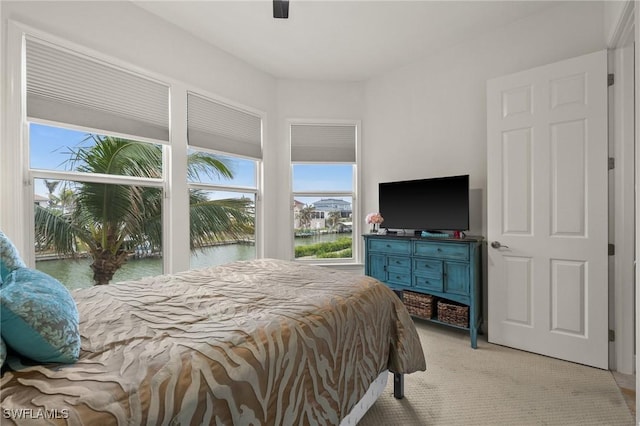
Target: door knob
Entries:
(497, 245)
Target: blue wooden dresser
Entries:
(446, 269)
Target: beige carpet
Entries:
(495, 385)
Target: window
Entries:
(324, 186)
(224, 188)
(98, 194)
(91, 227)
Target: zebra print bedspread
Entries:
(264, 342)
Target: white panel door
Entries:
(547, 210)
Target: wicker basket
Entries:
(453, 313)
(418, 304)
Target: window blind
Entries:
(323, 143)
(216, 126)
(72, 88)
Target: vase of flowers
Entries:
(374, 219)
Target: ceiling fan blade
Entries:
(281, 9)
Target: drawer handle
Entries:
(439, 249)
(398, 262)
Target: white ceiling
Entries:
(338, 40)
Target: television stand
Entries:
(439, 278)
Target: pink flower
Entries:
(374, 218)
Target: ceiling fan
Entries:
(281, 9)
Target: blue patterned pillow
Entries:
(38, 317)
(9, 257)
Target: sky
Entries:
(50, 150)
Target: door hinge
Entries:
(611, 249)
(610, 79)
(612, 163)
(612, 335)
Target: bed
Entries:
(261, 342)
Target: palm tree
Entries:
(333, 218)
(66, 199)
(305, 215)
(108, 220)
(51, 187)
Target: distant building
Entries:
(333, 205)
(345, 227)
(41, 201)
(321, 210)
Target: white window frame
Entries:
(356, 257)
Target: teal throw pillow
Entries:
(9, 257)
(38, 317)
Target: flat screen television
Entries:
(435, 204)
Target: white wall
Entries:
(429, 119)
(320, 99)
(297, 99)
(130, 34)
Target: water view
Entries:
(76, 273)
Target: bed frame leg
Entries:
(398, 385)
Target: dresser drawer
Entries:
(441, 250)
(390, 246)
(427, 282)
(399, 277)
(427, 267)
(399, 262)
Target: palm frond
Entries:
(210, 165)
(117, 156)
(215, 220)
(55, 231)
(143, 224)
(107, 203)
